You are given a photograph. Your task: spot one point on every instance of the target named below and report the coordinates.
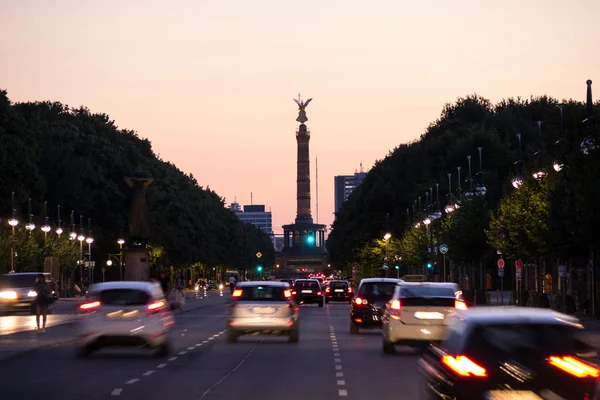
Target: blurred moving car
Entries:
(338, 291)
(308, 291)
(419, 313)
(511, 352)
(366, 309)
(265, 307)
(16, 290)
(125, 314)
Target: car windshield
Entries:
(263, 293)
(306, 284)
(123, 297)
(17, 281)
(338, 285)
(377, 290)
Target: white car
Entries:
(419, 313)
(129, 314)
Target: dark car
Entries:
(308, 291)
(366, 309)
(498, 352)
(338, 291)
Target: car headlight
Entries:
(196, 287)
(32, 293)
(8, 295)
(221, 286)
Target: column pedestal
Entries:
(137, 265)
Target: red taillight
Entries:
(463, 366)
(294, 292)
(460, 305)
(237, 293)
(156, 306)
(328, 290)
(360, 301)
(319, 293)
(395, 305)
(89, 306)
(287, 294)
(574, 367)
(349, 290)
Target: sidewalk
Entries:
(29, 341)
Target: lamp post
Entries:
(59, 230)
(89, 240)
(45, 228)
(13, 222)
(121, 243)
(30, 226)
(73, 234)
(387, 237)
(81, 238)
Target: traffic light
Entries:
(259, 268)
(310, 238)
(397, 267)
(429, 265)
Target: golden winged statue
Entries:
(302, 108)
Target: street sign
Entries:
(500, 272)
(562, 271)
(519, 273)
(259, 254)
(444, 249)
(501, 263)
(519, 264)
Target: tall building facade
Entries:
(255, 215)
(344, 185)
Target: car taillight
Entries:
(360, 301)
(156, 306)
(395, 305)
(287, 294)
(574, 366)
(463, 366)
(319, 293)
(237, 293)
(294, 292)
(349, 290)
(89, 306)
(328, 290)
(460, 305)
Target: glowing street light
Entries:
(59, 230)
(387, 236)
(30, 226)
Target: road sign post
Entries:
(444, 250)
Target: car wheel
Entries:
(321, 303)
(388, 347)
(294, 336)
(353, 328)
(232, 336)
(164, 350)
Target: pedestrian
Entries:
(42, 300)
(179, 290)
(232, 283)
(164, 282)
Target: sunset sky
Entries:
(211, 82)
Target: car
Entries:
(511, 352)
(263, 307)
(419, 313)
(366, 308)
(308, 291)
(338, 291)
(17, 294)
(125, 314)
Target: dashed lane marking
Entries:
(161, 365)
(131, 381)
(172, 358)
(338, 361)
(116, 392)
(182, 353)
(342, 392)
(339, 374)
(148, 373)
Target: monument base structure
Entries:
(303, 251)
(137, 264)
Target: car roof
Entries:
(26, 273)
(375, 280)
(263, 283)
(150, 287)
(307, 279)
(450, 285)
(488, 315)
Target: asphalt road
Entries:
(326, 363)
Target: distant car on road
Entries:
(125, 314)
(265, 307)
(511, 353)
(16, 291)
(338, 291)
(308, 291)
(367, 306)
(419, 312)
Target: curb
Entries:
(44, 347)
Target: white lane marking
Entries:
(341, 383)
(148, 373)
(116, 392)
(336, 354)
(210, 338)
(337, 360)
(191, 348)
(131, 381)
(339, 374)
(204, 342)
(172, 358)
(342, 392)
(161, 365)
(226, 376)
(182, 353)
(338, 367)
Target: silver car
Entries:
(263, 307)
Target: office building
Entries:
(255, 215)
(344, 185)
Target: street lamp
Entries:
(89, 240)
(13, 222)
(45, 228)
(59, 230)
(81, 238)
(121, 242)
(73, 235)
(30, 226)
